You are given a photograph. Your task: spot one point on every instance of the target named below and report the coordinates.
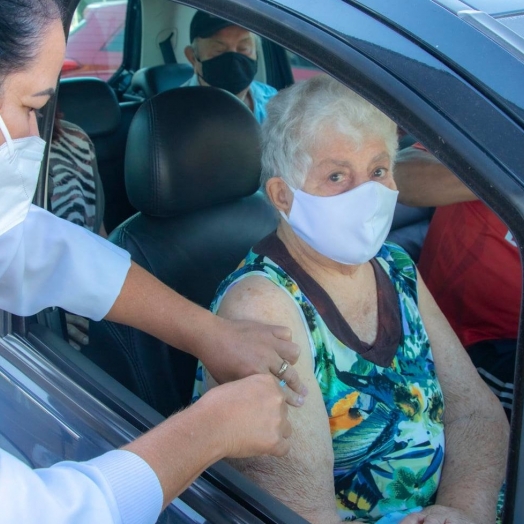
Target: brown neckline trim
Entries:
(389, 333)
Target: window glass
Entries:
(301, 68)
(116, 44)
(96, 39)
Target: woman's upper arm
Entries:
(464, 390)
(304, 478)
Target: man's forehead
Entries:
(231, 32)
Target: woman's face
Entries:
(25, 92)
(338, 166)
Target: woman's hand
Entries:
(240, 419)
(438, 515)
(243, 348)
(251, 416)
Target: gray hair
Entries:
(297, 117)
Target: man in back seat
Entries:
(225, 55)
(470, 263)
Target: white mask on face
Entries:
(20, 162)
(348, 228)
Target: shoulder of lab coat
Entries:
(46, 261)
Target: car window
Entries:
(116, 44)
(96, 39)
(301, 68)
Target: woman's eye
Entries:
(380, 172)
(335, 177)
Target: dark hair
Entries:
(22, 23)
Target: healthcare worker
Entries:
(46, 261)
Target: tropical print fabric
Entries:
(386, 422)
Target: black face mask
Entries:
(230, 71)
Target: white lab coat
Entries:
(115, 488)
(46, 261)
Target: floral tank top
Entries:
(384, 404)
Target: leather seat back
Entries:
(192, 170)
(150, 81)
(92, 104)
(409, 228)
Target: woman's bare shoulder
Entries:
(257, 298)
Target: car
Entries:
(449, 72)
(96, 42)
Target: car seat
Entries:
(192, 170)
(150, 81)
(409, 228)
(91, 104)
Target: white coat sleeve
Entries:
(46, 261)
(115, 488)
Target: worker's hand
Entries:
(242, 348)
(77, 330)
(250, 416)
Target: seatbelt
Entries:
(167, 50)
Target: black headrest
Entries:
(89, 103)
(190, 148)
(149, 81)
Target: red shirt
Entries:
(470, 263)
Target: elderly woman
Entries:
(397, 420)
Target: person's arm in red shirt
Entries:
(423, 181)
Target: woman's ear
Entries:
(279, 194)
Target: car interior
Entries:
(190, 217)
(180, 170)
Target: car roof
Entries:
(491, 7)
(456, 34)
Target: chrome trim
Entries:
(497, 31)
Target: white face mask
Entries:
(349, 228)
(20, 162)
